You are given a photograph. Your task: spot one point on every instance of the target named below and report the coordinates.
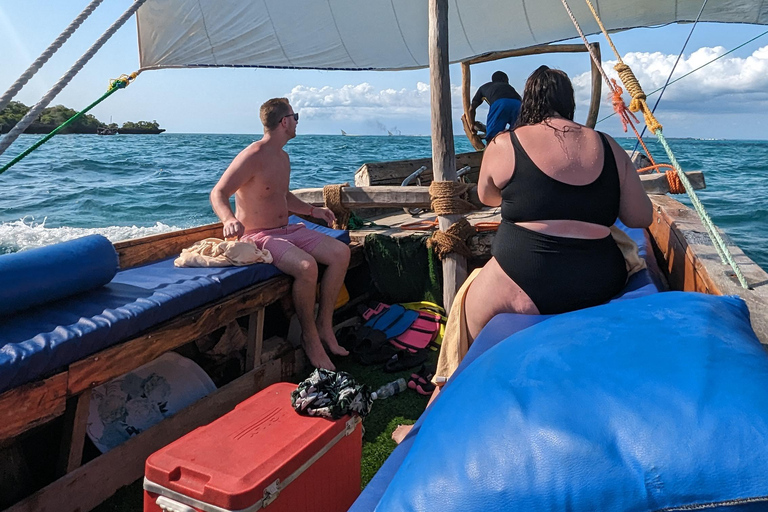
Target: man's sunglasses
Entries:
(295, 116)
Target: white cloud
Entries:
(360, 102)
(729, 85)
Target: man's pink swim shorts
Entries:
(278, 240)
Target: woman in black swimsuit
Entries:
(560, 186)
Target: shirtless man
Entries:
(259, 178)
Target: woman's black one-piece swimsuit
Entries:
(560, 274)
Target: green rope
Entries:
(114, 85)
(694, 70)
(722, 249)
(356, 222)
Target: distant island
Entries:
(52, 117)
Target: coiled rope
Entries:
(450, 198)
(639, 104)
(47, 54)
(332, 200)
(114, 85)
(35, 111)
(454, 239)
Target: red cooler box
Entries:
(262, 454)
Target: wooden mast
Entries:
(443, 153)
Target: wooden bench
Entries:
(68, 392)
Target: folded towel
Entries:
(629, 250)
(215, 252)
(456, 340)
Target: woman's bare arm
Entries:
(495, 170)
(635, 209)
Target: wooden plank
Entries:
(393, 173)
(139, 251)
(32, 404)
(418, 196)
(376, 197)
(679, 234)
(255, 344)
(531, 50)
(657, 183)
(86, 487)
(73, 437)
(120, 359)
(597, 87)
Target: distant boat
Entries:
(343, 132)
(140, 131)
(106, 131)
(389, 133)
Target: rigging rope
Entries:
(674, 66)
(114, 85)
(43, 58)
(64, 80)
(638, 102)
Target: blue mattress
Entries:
(499, 328)
(37, 341)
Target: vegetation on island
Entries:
(52, 117)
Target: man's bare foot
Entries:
(329, 340)
(316, 354)
(400, 432)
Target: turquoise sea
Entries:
(126, 186)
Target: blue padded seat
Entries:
(40, 340)
(656, 403)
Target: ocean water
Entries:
(126, 186)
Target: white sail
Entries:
(356, 35)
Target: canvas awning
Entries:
(385, 34)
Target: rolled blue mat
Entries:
(38, 276)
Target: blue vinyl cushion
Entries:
(40, 340)
(499, 328)
(34, 277)
(638, 405)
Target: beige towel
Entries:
(456, 340)
(215, 252)
(629, 249)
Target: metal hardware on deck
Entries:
(415, 175)
(461, 172)
(271, 493)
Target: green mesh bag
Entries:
(403, 269)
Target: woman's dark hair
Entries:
(547, 92)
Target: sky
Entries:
(725, 100)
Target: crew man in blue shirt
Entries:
(503, 101)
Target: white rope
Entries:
(35, 111)
(47, 54)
